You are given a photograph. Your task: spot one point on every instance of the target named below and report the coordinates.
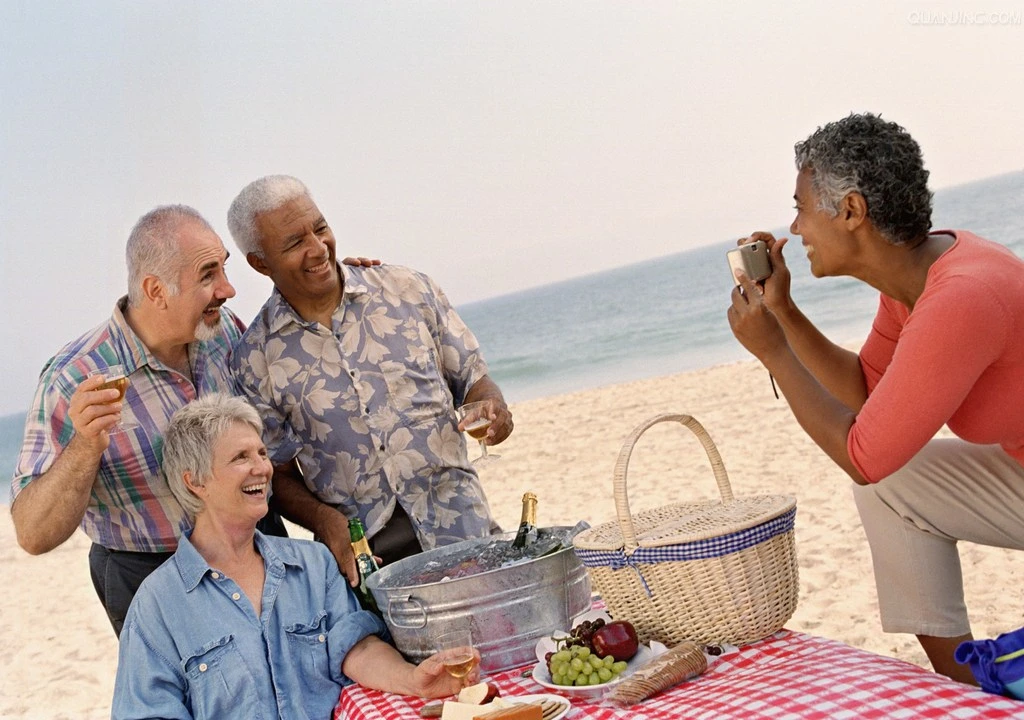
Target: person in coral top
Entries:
(946, 348)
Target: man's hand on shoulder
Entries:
(360, 261)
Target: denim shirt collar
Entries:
(281, 314)
(193, 567)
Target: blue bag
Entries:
(998, 665)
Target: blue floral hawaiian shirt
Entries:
(368, 404)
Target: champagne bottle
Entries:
(365, 563)
(528, 523)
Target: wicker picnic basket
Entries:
(710, 572)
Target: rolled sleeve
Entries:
(350, 625)
(47, 429)
(346, 634)
(461, 358)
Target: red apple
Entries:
(616, 638)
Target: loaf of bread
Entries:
(686, 660)
(526, 711)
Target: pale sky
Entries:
(494, 145)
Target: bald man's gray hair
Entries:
(154, 249)
(264, 195)
(191, 437)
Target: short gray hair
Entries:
(154, 248)
(191, 437)
(264, 195)
(879, 160)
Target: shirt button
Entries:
(215, 575)
(236, 596)
(322, 638)
(203, 667)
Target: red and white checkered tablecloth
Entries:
(788, 676)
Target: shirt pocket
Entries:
(307, 643)
(219, 682)
(416, 386)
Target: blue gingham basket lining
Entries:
(698, 550)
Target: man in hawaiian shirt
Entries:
(357, 372)
(80, 465)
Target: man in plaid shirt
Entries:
(90, 461)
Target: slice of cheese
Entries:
(452, 710)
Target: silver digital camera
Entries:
(752, 259)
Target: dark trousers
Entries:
(397, 539)
(116, 576)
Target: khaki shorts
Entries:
(952, 490)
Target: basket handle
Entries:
(622, 464)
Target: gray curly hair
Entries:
(878, 159)
(263, 195)
(191, 437)
(153, 247)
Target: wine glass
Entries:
(457, 655)
(115, 378)
(475, 419)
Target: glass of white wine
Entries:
(115, 378)
(457, 654)
(475, 419)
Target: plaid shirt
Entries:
(131, 507)
(368, 404)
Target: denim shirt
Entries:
(192, 646)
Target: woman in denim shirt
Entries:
(241, 625)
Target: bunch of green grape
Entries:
(577, 665)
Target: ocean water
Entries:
(665, 315)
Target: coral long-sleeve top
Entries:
(956, 359)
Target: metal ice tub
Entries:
(508, 608)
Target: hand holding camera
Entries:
(752, 258)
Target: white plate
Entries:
(645, 653)
(540, 697)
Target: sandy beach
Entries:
(59, 654)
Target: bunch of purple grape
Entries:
(580, 636)
(583, 633)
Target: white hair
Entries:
(264, 195)
(191, 438)
(154, 249)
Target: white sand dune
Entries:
(59, 655)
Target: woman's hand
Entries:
(752, 321)
(777, 286)
(376, 664)
(432, 681)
